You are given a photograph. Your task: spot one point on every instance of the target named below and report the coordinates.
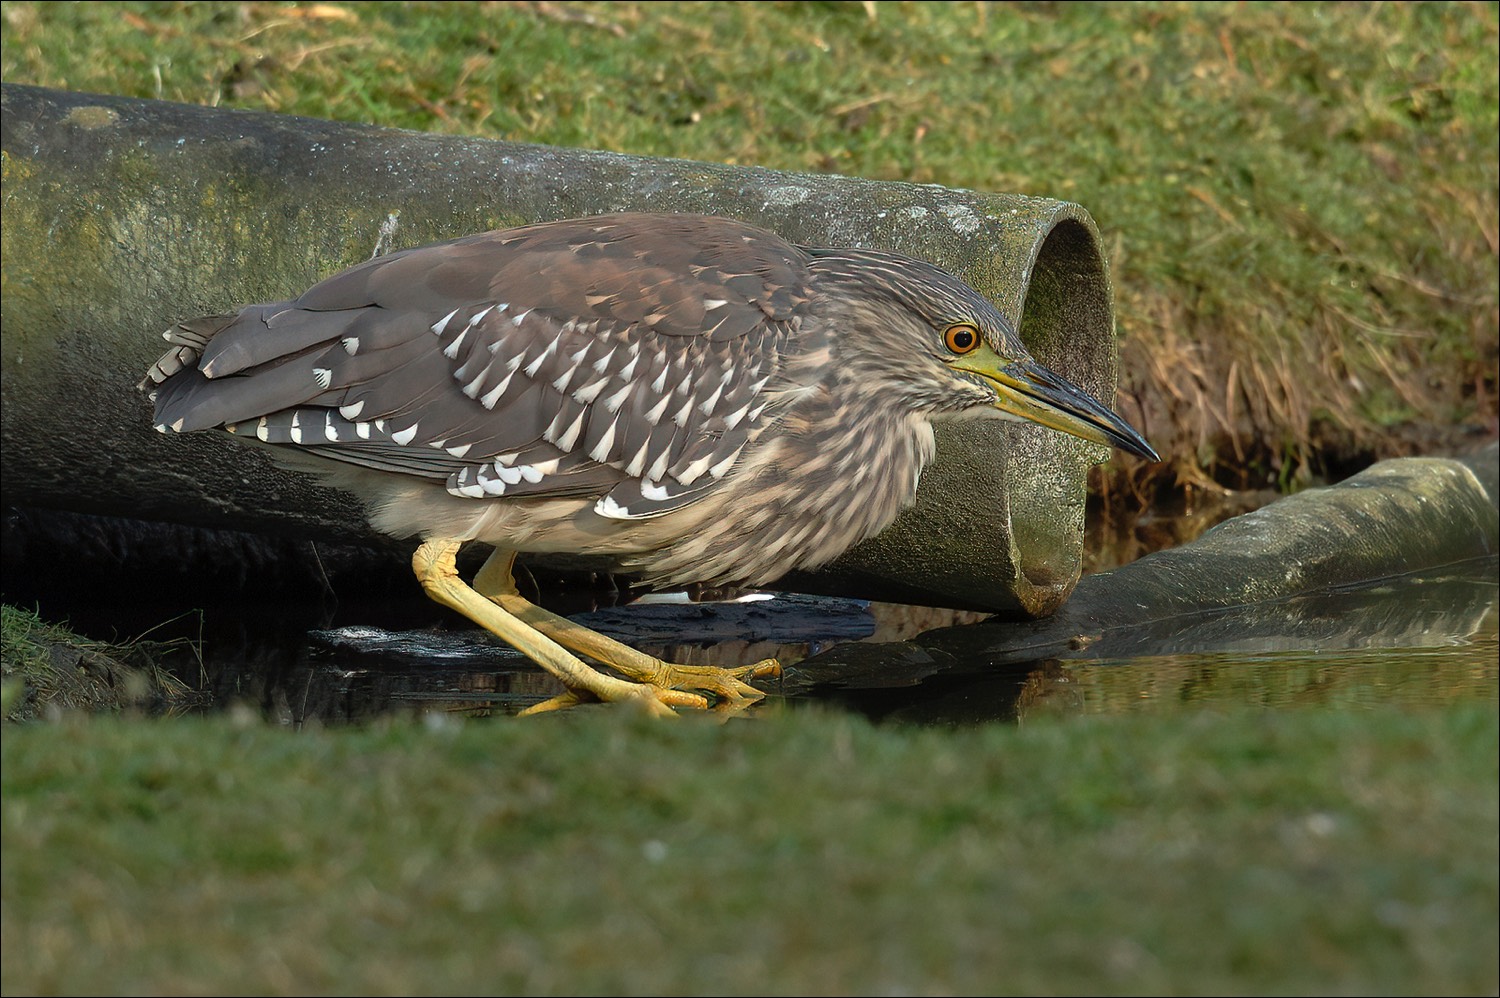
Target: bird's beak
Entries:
(1032, 392)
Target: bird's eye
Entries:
(962, 338)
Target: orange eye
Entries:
(962, 338)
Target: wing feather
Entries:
(621, 357)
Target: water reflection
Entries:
(302, 658)
(1416, 640)
(1343, 678)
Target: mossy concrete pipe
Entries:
(122, 216)
(1258, 582)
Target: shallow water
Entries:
(1415, 641)
(1418, 641)
(298, 655)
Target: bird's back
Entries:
(626, 358)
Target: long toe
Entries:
(727, 686)
(653, 699)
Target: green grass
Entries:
(48, 670)
(1298, 853)
(1299, 200)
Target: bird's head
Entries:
(929, 339)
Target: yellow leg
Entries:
(436, 570)
(495, 582)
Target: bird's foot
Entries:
(665, 686)
(655, 701)
(730, 688)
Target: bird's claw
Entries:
(728, 686)
(671, 686)
(654, 700)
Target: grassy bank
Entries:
(48, 670)
(1299, 200)
(1291, 853)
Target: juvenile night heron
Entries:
(695, 397)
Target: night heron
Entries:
(697, 398)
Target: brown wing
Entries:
(625, 356)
